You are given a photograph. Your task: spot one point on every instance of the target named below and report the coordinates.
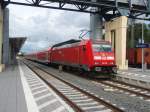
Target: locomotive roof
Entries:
(66, 42)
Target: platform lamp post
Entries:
(142, 48)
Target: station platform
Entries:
(22, 91)
(135, 76)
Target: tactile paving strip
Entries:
(46, 100)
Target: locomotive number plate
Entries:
(98, 68)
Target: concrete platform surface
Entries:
(22, 91)
(136, 75)
(12, 97)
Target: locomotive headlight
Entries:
(97, 57)
(110, 57)
(111, 63)
(96, 63)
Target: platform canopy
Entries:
(108, 9)
(16, 43)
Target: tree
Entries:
(138, 34)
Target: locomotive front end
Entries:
(103, 57)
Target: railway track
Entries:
(79, 99)
(126, 88)
(131, 90)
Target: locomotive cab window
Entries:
(102, 48)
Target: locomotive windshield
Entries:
(102, 48)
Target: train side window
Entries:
(84, 48)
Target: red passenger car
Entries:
(87, 55)
(32, 56)
(43, 56)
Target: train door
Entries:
(82, 54)
(77, 55)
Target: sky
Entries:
(45, 27)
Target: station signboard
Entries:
(143, 45)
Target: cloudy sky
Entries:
(44, 27)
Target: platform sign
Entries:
(143, 45)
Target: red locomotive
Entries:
(87, 55)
